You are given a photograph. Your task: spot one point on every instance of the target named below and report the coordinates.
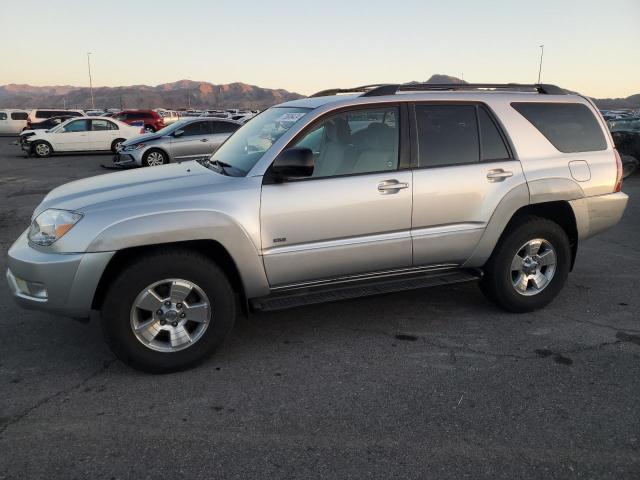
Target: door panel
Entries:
(322, 228)
(193, 142)
(74, 137)
(452, 206)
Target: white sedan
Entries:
(80, 134)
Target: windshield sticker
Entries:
(290, 117)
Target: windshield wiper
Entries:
(220, 165)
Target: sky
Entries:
(591, 46)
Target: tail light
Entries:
(618, 171)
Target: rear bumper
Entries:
(63, 284)
(597, 214)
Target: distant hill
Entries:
(178, 94)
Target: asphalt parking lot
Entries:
(434, 383)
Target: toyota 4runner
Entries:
(346, 193)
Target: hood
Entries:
(144, 183)
(142, 138)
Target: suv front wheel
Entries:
(168, 311)
(529, 266)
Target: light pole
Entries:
(540, 69)
(93, 105)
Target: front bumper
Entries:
(599, 213)
(128, 159)
(66, 283)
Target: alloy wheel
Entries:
(533, 267)
(170, 315)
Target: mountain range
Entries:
(187, 93)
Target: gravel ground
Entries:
(434, 383)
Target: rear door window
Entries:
(196, 128)
(19, 115)
(224, 127)
(447, 135)
(491, 142)
(570, 127)
(100, 125)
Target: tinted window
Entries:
(196, 128)
(447, 135)
(224, 127)
(98, 125)
(44, 113)
(3, 116)
(493, 147)
(77, 126)
(359, 141)
(570, 127)
(19, 115)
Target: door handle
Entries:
(498, 175)
(388, 187)
(204, 139)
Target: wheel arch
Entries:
(209, 248)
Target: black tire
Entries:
(497, 283)
(115, 143)
(149, 129)
(166, 263)
(41, 149)
(157, 153)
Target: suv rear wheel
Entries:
(529, 266)
(168, 311)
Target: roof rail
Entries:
(363, 88)
(392, 89)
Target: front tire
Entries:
(42, 149)
(168, 311)
(116, 144)
(154, 158)
(149, 129)
(529, 266)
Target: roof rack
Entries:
(392, 89)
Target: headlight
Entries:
(52, 224)
(137, 146)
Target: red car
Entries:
(152, 120)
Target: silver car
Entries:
(185, 139)
(375, 190)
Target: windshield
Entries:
(246, 146)
(59, 128)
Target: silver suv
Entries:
(343, 194)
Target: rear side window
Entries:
(570, 127)
(44, 114)
(19, 115)
(3, 116)
(99, 125)
(447, 135)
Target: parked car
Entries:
(183, 140)
(152, 120)
(95, 113)
(626, 138)
(48, 123)
(169, 116)
(347, 195)
(12, 121)
(78, 134)
(39, 114)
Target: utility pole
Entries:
(93, 105)
(540, 69)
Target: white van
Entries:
(12, 121)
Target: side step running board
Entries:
(309, 296)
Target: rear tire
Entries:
(529, 266)
(149, 334)
(42, 149)
(154, 158)
(116, 144)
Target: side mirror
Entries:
(293, 163)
